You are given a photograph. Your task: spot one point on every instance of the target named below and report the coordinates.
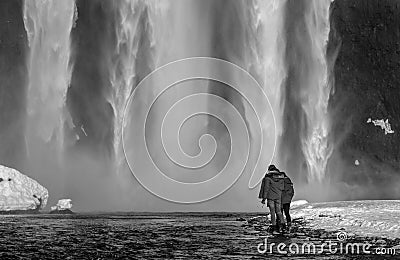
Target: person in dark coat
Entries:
(271, 190)
(287, 196)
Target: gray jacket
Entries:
(272, 186)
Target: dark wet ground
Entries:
(141, 236)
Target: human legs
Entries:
(272, 210)
(285, 209)
(278, 212)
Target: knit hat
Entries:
(272, 168)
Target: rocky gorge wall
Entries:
(367, 85)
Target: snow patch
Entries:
(19, 192)
(298, 203)
(385, 125)
(367, 218)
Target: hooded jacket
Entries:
(272, 186)
(288, 191)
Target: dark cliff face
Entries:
(367, 85)
(13, 76)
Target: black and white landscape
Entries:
(70, 125)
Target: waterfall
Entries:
(316, 145)
(82, 71)
(269, 63)
(305, 143)
(48, 24)
(257, 44)
(133, 59)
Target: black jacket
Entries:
(288, 190)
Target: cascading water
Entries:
(268, 63)
(256, 44)
(48, 24)
(305, 144)
(317, 146)
(114, 45)
(133, 59)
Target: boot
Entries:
(281, 229)
(275, 230)
(271, 228)
(284, 227)
(289, 225)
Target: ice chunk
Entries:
(19, 192)
(62, 204)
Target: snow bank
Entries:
(19, 192)
(298, 203)
(366, 218)
(62, 204)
